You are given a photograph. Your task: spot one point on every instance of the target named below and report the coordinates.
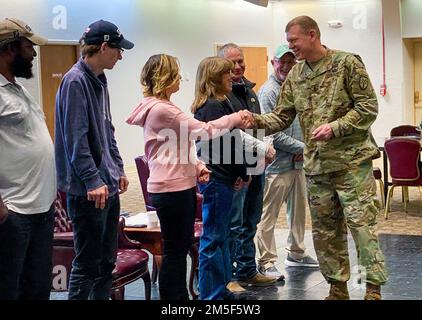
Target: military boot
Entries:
(338, 291)
(373, 292)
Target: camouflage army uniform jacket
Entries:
(337, 91)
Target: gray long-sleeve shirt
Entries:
(287, 143)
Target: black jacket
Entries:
(243, 97)
(224, 169)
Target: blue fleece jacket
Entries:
(87, 156)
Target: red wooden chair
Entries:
(405, 130)
(131, 263)
(401, 131)
(403, 155)
(378, 177)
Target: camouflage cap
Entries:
(12, 29)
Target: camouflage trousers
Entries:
(341, 200)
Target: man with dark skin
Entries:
(27, 173)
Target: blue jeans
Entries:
(95, 237)
(26, 249)
(246, 213)
(176, 211)
(214, 254)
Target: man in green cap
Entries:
(284, 180)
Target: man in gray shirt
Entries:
(284, 180)
(27, 173)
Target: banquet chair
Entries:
(403, 155)
(378, 177)
(405, 130)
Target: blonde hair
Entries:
(160, 72)
(209, 79)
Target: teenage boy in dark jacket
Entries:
(89, 166)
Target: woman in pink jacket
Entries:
(169, 136)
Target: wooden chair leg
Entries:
(147, 284)
(154, 275)
(420, 192)
(118, 294)
(387, 205)
(406, 197)
(381, 185)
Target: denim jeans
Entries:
(95, 237)
(246, 214)
(26, 249)
(176, 211)
(214, 253)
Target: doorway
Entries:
(55, 61)
(418, 83)
(256, 60)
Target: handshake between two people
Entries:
(248, 120)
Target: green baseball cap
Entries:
(282, 50)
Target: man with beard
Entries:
(27, 173)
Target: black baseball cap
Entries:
(104, 31)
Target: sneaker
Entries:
(235, 287)
(306, 261)
(338, 291)
(258, 280)
(271, 272)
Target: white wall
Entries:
(361, 34)
(189, 29)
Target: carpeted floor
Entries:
(398, 223)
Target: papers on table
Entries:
(139, 220)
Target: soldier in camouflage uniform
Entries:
(332, 95)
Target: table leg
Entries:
(385, 165)
(158, 260)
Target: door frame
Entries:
(266, 46)
(419, 42)
(68, 44)
(38, 61)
